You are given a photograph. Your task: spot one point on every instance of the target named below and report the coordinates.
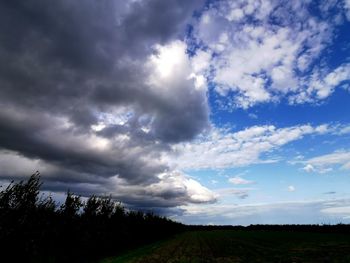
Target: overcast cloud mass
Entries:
(174, 105)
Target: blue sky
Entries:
(211, 112)
(286, 178)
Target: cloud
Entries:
(343, 211)
(337, 208)
(295, 212)
(347, 8)
(321, 85)
(91, 97)
(330, 193)
(172, 83)
(291, 188)
(309, 168)
(239, 181)
(326, 163)
(173, 189)
(221, 149)
(344, 130)
(263, 51)
(253, 116)
(241, 193)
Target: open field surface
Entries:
(244, 246)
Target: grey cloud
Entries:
(64, 63)
(57, 56)
(160, 20)
(74, 59)
(38, 136)
(137, 196)
(330, 193)
(239, 193)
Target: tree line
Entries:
(311, 228)
(35, 228)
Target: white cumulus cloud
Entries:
(254, 60)
(222, 149)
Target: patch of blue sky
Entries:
(335, 109)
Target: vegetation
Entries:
(35, 228)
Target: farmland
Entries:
(244, 246)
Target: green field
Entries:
(244, 246)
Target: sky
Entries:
(209, 112)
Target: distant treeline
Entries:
(325, 228)
(34, 228)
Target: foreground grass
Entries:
(244, 246)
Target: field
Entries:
(244, 246)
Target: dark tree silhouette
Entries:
(34, 228)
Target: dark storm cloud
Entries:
(75, 57)
(64, 63)
(42, 137)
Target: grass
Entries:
(136, 253)
(244, 246)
